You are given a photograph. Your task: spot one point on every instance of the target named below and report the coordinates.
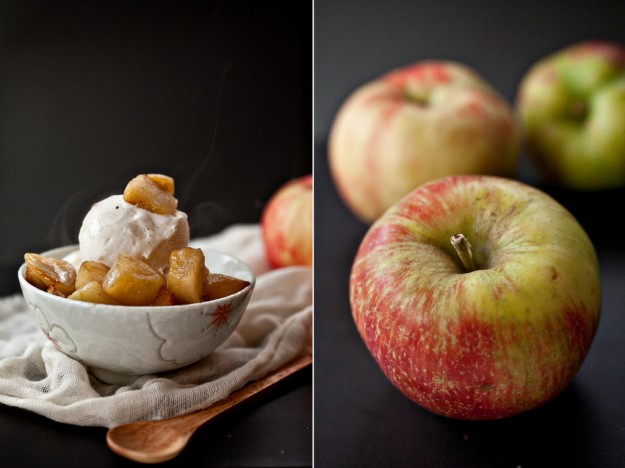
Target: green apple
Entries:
(572, 105)
(414, 124)
(478, 296)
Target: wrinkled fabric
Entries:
(275, 329)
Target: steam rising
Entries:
(204, 217)
(66, 222)
(205, 161)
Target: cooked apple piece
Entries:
(89, 271)
(186, 275)
(54, 291)
(93, 292)
(145, 193)
(132, 281)
(218, 285)
(165, 298)
(43, 272)
(164, 182)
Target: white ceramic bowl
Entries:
(118, 341)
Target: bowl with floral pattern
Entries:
(118, 340)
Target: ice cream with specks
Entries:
(114, 226)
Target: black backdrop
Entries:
(216, 94)
(360, 418)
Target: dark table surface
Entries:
(274, 429)
(94, 93)
(360, 418)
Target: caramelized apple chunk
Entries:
(50, 273)
(165, 298)
(133, 282)
(163, 181)
(89, 271)
(93, 292)
(52, 289)
(144, 192)
(186, 275)
(217, 286)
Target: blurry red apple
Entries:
(478, 296)
(287, 224)
(415, 124)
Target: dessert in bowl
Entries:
(137, 340)
(122, 314)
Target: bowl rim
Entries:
(60, 252)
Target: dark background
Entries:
(360, 419)
(217, 94)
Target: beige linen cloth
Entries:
(276, 328)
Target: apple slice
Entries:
(144, 192)
(186, 275)
(45, 272)
(133, 282)
(218, 285)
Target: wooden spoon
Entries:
(162, 440)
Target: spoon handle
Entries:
(191, 421)
(137, 435)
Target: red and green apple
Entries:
(478, 296)
(572, 105)
(415, 124)
(286, 224)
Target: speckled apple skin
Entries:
(416, 124)
(287, 224)
(487, 344)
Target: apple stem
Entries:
(578, 110)
(416, 99)
(463, 249)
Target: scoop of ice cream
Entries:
(114, 226)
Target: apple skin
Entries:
(572, 106)
(415, 124)
(487, 344)
(286, 224)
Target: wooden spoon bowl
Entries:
(162, 440)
